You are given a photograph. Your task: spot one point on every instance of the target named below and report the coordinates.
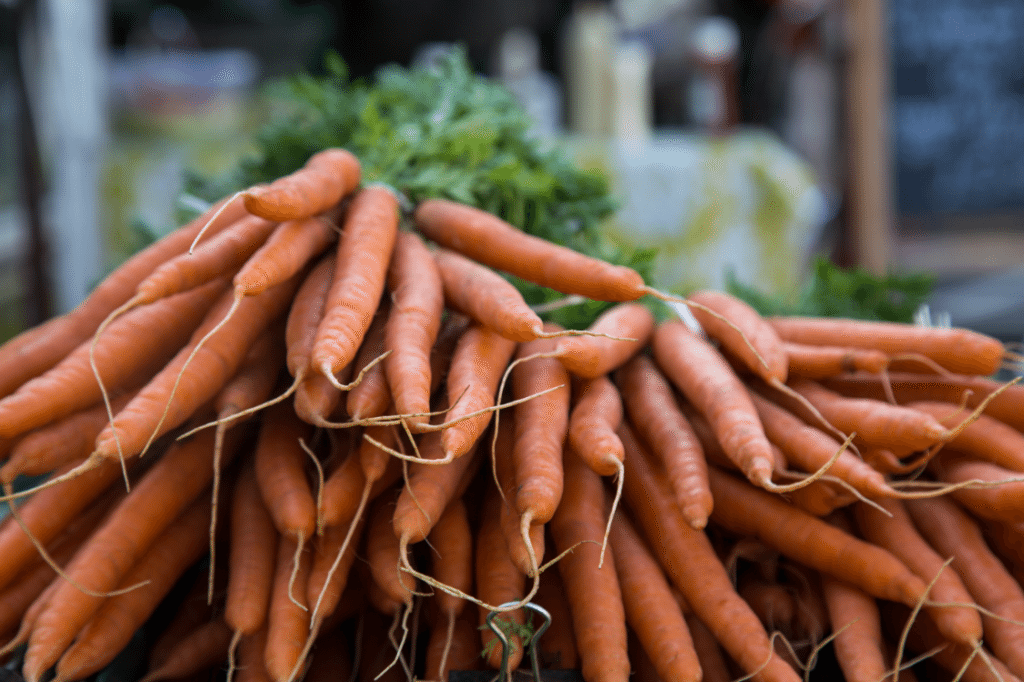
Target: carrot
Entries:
(558, 645)
(66, 440)
(341, 493)
(463, 649)
(487, 239)
(169, 486)
(986, 438)
(485, 296)
(363, 255)
(712, 662)
(745, 510)
(541, 425)
(370, 397)
(525, 547)
(480, 358)
(619, 333)
(773, 603)
(810, 448)
(281, 473)
(593, 592)
(596, 414)
(188, 381)
(498, 582)
(708, 382)
(452, 540)
(417, 302)
(114, 623)
(333, 659)
(329, 576)
(693, 567)
(821, 498)
(191, 611)
(955, 389)
(384, 556)
(327, 177)
(69, 386)
(819, 362)
(958, 350)
(199, 651)
(999, 497)
(893, 426)
(715, 454)
(287, 621)
(252, 554)
(857, 625)
(897, 534)
(743, 332)
(649, 400)
(40, 348)
(305, 315)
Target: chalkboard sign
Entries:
(958, 105)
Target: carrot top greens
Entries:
(440, 131)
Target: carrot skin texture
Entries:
(452, 540)
(281, 472)
(252, 556)
(38, 349)
(999, 503)
(363, 254)
(371, 397)
(593, 356)
(486, 296)
(497, 581)
(708, 382)
(958, 350)
(752, 339)
(487, 239)
(204, 648)
(985, 438)
(541, 425)
(856, 620)
(287, 623)
(693, 567)
(480, 358)
(649, 400)
(646, 592)
(599, 617)
(820, 362)
(417, 301)
(70, 385)
(596, 414)
(325, 178)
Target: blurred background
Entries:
(741, 137)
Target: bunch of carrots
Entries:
(316, 415)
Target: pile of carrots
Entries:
(316, 415)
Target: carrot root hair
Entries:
(325, 369)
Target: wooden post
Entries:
(868, 111)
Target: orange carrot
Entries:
(525, 546)
(327, 177)
(463, 650)
(708, 382)
(596, 414)
(252, 554)
(114, 623)
(70, 385)
(487, 239)
(343, 486)
(998, 499)
(651, 610)
(810, 448)
(287, 622)
(364, 252)
(417, 301)
(558, 644)
(485, 296)
(480, 358)
(40, 348)
(649, 400)
(251, 667)
(281, 473)
(818, 362)
(958, 350)
(593, 592)
(371, 396)
(897, 534)
(452, 540)
(384, 556)
(498, 581)
(858, 643)
(986, 438)
(541, 425)
(743, 332)
(746, 510)
(693, 567)
(591, 356)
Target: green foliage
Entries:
(441, 131)
(510, 628)
(832, 291)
